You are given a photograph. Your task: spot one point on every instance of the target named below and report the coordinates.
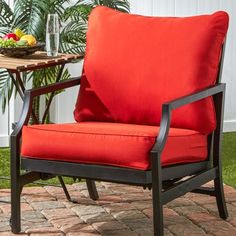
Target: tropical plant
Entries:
(31, 15)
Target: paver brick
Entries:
(97, 217)
(81, 210)
(189, 209)
(65, 223)
(119, 207)
(48, 234)
(173, 220)
(127, 189)
(201, 217)
(141, 205)
(6, 208)
(4, 217)
(43, 230)
(10, 234)
(121, 210)
(4, 199)
(101, 193)
(119, 233)
(80, 229)
(58, 213)
(186, 230)
(169, 212)
(132, 214)
(130, 197)
(5, 192)
(105, 226)
(83, 233)
(149, 232)
(76, 201)
(47, 205)
(140, 223)
(30, 215)
(218, 227)
(108, 199)
(228, 189)
(39, 197)
(33, 191)
(180, 202)
(203, 199)
(53, 190)
(28, 225)
(4, 226)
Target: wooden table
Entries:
(39, 60)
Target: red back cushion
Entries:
(134, 64)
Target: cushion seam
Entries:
(144, 136)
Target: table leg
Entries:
(18, 82)
(52, 94)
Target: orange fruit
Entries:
(31, 40)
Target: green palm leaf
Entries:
(6, 88)
(78, 11)
(73, 36)
(6, 17)
(57, 6)
(121, 5)
(29, 15)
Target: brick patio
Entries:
(121, 210)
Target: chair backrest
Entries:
(134, 64)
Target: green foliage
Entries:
(74, 33)
(6, 17)
(31, 17)
(229, 158)
(6, 88)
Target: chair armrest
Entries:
(53, 87)
(172, 105)
(28, 100)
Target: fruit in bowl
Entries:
(18, 44)
(11, 36)
(17, 39)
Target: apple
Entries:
(11, 36)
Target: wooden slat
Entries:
(35, 61)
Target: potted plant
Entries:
(30, 16)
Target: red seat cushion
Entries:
(134, 64)
(114, 144)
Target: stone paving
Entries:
(121, 210)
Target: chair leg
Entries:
(15, 220)
(220, 197)
(64, 188)
(158, 225)
(16, 187)
(93, 194)
(217, 159)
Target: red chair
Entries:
(149, 111)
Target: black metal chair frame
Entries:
(167, 183)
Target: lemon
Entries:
(19, 33)
(31, 40)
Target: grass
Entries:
(229, 163)
(229, 159)
(5, 170)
